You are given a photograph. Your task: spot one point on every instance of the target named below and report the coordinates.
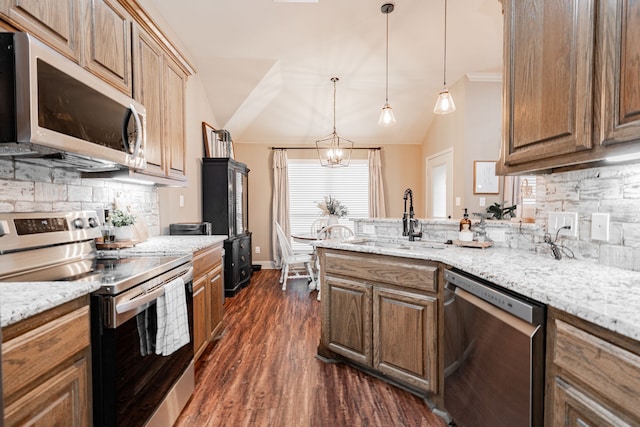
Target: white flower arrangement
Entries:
(332, 206)
(120, 218)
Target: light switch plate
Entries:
(600, 226)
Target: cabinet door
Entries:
(575, 408)
(62, 400)
(348, 328)
(216, 302)
(173, 119)
(200, 335)
(548, 64)
(405, 337)
(148, 65)
(107, 44)
(55, 22)
(619, 60)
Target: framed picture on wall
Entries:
(485, 180)
(217, 142)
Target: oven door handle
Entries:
(156, 292)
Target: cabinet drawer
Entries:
(612, 371)
(398, 271)
(206, 259)
(37, 352)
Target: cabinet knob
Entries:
(242, 258)
(243, 273)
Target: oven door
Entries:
(129, 380)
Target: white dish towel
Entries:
(173, 322)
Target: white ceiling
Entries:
(266, 66)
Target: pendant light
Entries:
(386, 115)
(444, 104)
(334, 150)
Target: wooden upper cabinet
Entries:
(572, 83)
(56, 22)
(107, 43)
(148, 66)
(159, 84)
(174, 120)
(548, 72)
(619, 83)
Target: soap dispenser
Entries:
(465, 222)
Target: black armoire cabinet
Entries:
(225, 204)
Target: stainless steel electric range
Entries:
(132, 385)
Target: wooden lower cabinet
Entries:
(46, 368)
(381, 312)
(593, 375)
(208, 297)
(405, 336)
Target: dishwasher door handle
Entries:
(520, 325)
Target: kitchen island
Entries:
(383, 310)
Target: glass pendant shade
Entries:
(387, 118)
(444, 104)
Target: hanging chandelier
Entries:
(444, 104)
(387, 118)
(334, 150)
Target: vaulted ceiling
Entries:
(266, 65)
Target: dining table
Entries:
(309, 238)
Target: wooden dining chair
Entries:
(292, 263)
(336, 231)
(318, 225)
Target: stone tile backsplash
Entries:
(609, 189)
(26, 187)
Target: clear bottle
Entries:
(465, 222)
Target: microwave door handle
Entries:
(139, 130)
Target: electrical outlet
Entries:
(496, 235)
(557, 220)
(600, 226)
(483, 201)
(458, 202)
(257, 249)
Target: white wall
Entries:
(474, 133)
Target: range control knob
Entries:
(78, 223)
(93, 223)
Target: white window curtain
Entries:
(376, 190)
(280, 205)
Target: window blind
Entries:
(309, 183)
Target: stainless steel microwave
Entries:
(53, 109)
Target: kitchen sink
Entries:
(400, 244)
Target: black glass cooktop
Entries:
(114, 274)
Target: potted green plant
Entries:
(122, 223)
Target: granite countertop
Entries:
(606, 296)
(20, 300)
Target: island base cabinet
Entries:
(405, 337)
(381, 313)
(348, 331)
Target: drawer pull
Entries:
(243, 258)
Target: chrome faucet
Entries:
(408, 222)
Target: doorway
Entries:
(439, 185)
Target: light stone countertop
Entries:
(606, 296)
(21, 300)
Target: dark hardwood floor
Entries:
(263, 371)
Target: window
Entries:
(309, 183)
(527, 194)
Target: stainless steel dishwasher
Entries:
(493, 355)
